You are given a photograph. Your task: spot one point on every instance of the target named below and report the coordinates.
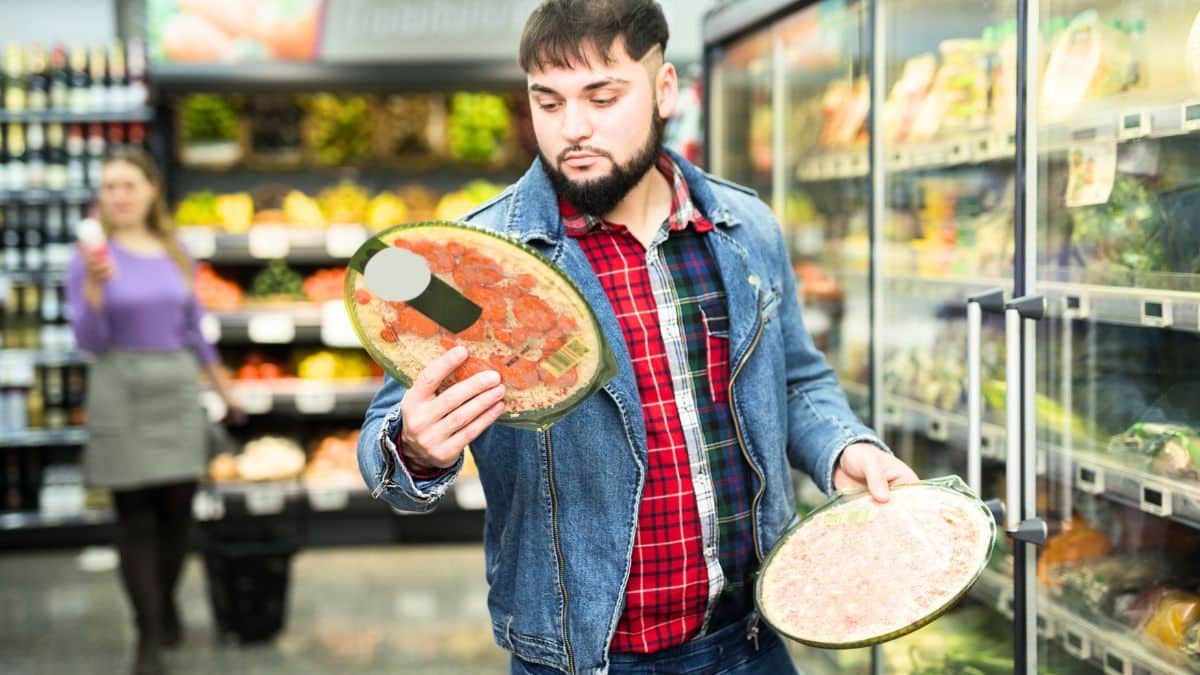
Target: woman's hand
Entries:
(98, 263)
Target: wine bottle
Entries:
(139, 93)
(99, 98)
(34, 244)
(95, 151)
(75, 157)
(17, 176)
(56, 157)
(3, 161)
(16, 85)
(80, 94)
(31, 304)
(39, 83)
(59, 80)
(137, 134)
(58, 238)
(52, 382)
(118, 87)
(35, 159)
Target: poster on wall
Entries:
(234, 31)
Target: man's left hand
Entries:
(863, 465)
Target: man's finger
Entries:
(877, 482)
(469, 411)
(439, 369)
(472, 430)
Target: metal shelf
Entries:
(281, 76)
(34, 438)
(65, 117)
(1090, 471)
(72, 195)
(281, 325)
(1111, 646)
(306, 397)
(262, 244)
(30, 520)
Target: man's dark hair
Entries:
(559, 33)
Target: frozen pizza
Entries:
(509, 306)
(857, 572)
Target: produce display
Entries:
(821, 585)
(344, 203)
(257, 367)
(216, 293)
(275, 138)
(339, 129)
(515, 313)
(479, 127)
(333, 364)
(410, 126)
(277, 283)
(208, 118)
(325, 285)
(268, 458)
(334, 462)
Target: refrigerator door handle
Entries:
(989, 301)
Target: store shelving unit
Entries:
(889, 240)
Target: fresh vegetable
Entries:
(340, 129)
(301, 210)
(198, 208)
(277, 281)
(344, 203)
(1167, 449)
(327, 364)
(207, 118)
(1126, 232)
(479, 126)
(236, 212)
(215, 292)
(386, 210)
(325, 285)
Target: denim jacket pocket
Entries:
(715, 315)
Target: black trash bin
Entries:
(248, 572)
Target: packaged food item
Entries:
(1091, 59)
(1077, 542)
(1172, 450)
(416, 291)
(958, 99)
(904, 101)
(1167, 614)
(822, 583)
(845, 106)
(1101, 587)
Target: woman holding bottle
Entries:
(134, 310)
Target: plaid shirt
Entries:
(693, 557)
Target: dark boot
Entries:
(174, 542)
(148, 660)
(136, 534)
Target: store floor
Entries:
(411, 610)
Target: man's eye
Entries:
(548, 107)
(603, 101)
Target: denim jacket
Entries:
(562, 504)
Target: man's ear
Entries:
(666, 89)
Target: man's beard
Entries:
(599, 196)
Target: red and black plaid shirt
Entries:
(694, 517)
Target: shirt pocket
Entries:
(714, 313)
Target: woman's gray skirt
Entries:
(145, 422)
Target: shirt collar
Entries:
(682, 215)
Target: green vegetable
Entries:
(198, 208)
(479, 126)
(208, 118)
(340, 128)
(277, 280)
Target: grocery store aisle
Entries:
(413, 610)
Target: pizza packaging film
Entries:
(915, 557)
(415, 291)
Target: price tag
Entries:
(208, 505)
(265, 499)
(315, 399)
(210, 328)
(268, 242)
(342, 241)
(1077, 645)
(1157, 500)
(938, 429)
(336, 329)
(1075, 307)
(1117, 664)
(861, 164)
(1089, 479)
(1045, 627)
(200, 242)
(1157, 313)
(273, 328)
(1189, 116)
(983, 148)
(255, 400)
(1133, 125)
(328, 499)
(899, 159)
(960, 152)
(468, 493)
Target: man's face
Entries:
(599, 126)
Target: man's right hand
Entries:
(438, 427)
(98, 263)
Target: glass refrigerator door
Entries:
(822, 207)
(742, 104)
(1118, 358)
(947, 233)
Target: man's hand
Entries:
(438, 427)
(863, 465)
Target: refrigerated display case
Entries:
(1030, 295)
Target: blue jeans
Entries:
(726, 652)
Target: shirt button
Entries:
(709, 551)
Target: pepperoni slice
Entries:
(534, 313)
(410, 320)
(362, 296)
(567, 379)
(472, 366)
(495, 307)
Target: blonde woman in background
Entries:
(134, 310)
